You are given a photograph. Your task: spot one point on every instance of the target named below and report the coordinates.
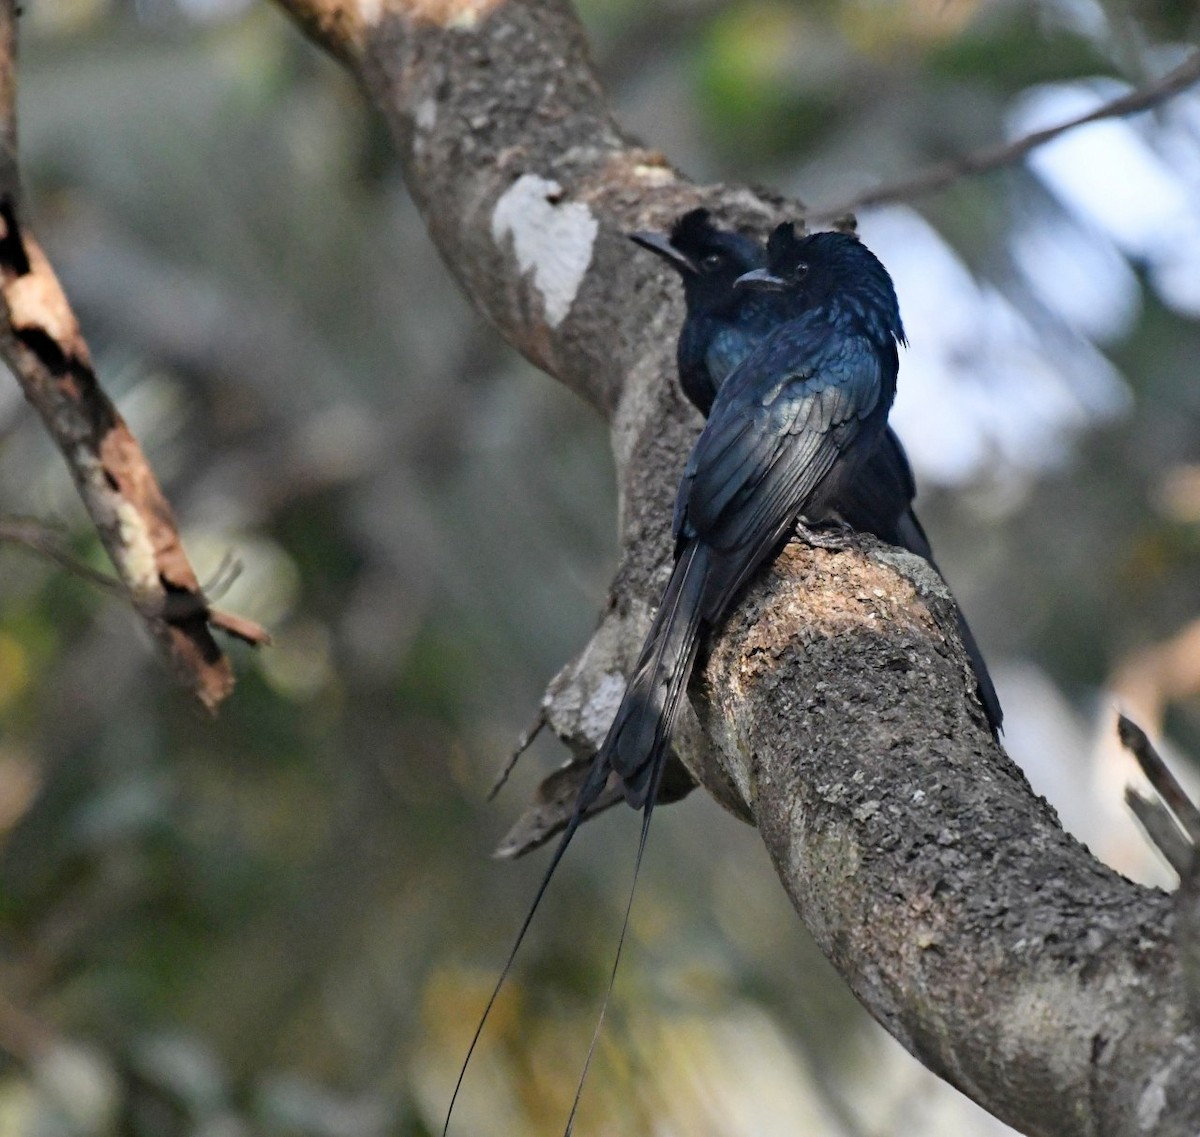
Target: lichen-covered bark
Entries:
(835, 709)
(979, 933)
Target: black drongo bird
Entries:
(723, 325)
(794, 420)
(789, 431)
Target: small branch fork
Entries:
(35, 537)
(41, 342)
(1179, 79)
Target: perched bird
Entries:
(789, 431)
(791, 424)
(789, 427)
(723, 325)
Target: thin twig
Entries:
(176, 608)
(1008, 153)
(223, 579)
(523, 743)
(37, 538)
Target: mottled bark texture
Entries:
(835, 709)
(42, 345)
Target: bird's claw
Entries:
(834, 535)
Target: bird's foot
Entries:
(834, 535)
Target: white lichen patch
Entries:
(1154, 1097)
(654, 175)
(134, 553)
(459, 14)
(914, 568)
(426, 115)
(139, 564)
(551, 239)
(866, 811)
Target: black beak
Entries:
(761, 280)
(661, 246)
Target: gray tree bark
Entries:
(835, 708)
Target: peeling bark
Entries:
(836, 706)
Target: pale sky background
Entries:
(1010, 393)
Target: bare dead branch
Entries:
(239, 627)
(1009, 153)
(41, 342)
(1173, 825)
(551, 807)
(553, 802)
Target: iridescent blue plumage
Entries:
(723, 326)
(788, 430)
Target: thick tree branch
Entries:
(41, 342)
(834, 709)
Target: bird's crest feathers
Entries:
(782, 245)
(836, 268)
(693, 228)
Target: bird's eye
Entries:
(713, 261)
(800, 271)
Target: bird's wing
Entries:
(782, 420)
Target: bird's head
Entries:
(707, 258)
(824, 270)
